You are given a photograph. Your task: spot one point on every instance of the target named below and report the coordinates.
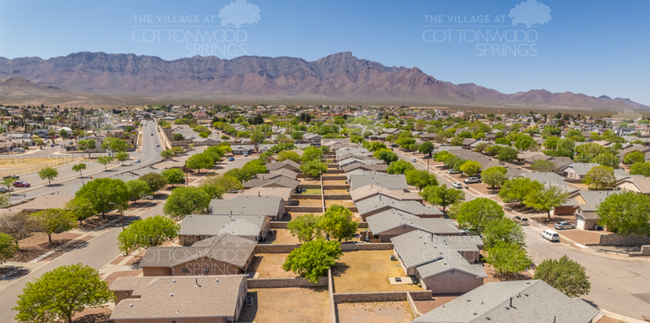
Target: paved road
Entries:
(150, 154)
(99, 251)
(618, 284)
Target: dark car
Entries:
(11, 176)
(21, 184)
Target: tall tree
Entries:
(337, 222)
(81, 207)
(516, 189)
(565, 275)
(420, 178)
(138, 189)
(399, 167)
(7, 247)
(55, 220)
(305, 227)
(122, 156)
(106, 194)
(625, 213)
(493, 176)
(471, 168)
(199, 161)
(442, 196)
(546, 199)
(48, 173)
(155, 181)
(313, 259)
(601, 177)
(58, 294)
(18, 225)
(476, 214)
(105, 160)
(79, 168)
(147, 233)
(186, 200)
(541, 165)
(508, 258)
(503, 229)
(173, 176)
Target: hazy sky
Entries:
(592, 47)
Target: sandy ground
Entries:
(283, 236)
(269, 265)
(17, 166)
(38, 244)
(288, 305)
(367, 271)
(375, 312)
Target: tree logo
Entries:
(529, 13)
(239, 13)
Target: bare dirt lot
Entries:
(269, 265)
(18, 166)
(282, 236)
(368, 271)
(310, 202)
(375, 312)
(346, 203)
(336, 192)
(271, 305)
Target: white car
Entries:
(137, 160)
(550, 235)
(458, 185)
(414, 159)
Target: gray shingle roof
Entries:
(451, 260)
(418, 247)
(532, 301)
(390, 181)
(220, 248)
(581, 168)
(212, 225)
(287, 163)
(390, 219)
(280, 180)
(379, 202)
(267, 205)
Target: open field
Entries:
(18, 166)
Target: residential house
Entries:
(284, 193)
(513, 301)
(268, 205)
(272, 180)
(636, 184)
(389, 181)
(377, 204)
(371, 190)
(576, 171)
(443, 264)
(583, 205)
(177, 299)
(241, 149)
(391, 223)
(197, 227)
(224, 254)
(287, 164)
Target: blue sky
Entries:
(593, 47)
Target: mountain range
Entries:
(107, 79)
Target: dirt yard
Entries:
(581, 236)
(269, 265)
(38, 244)
(336, 192)
(310, 202)
(346, 203)
(315, 191)
(435, 302)
(334, 182)
(368, 271)
(272, 305)
(93, 315)
(283, 236)
(17, 166)
(375, 312)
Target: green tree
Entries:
(456, 141)
(18, 225)
(374, 146)
(138, 189)
(313, 168)
(55, 220)
(471, 167)
(105, 194)
(426, 148)
(337, 223)
(601, 176)
(122, 156)
(105, 160)
(215, 186)
(506, 230)
(288, 155)
(420, 178)
(147, 233)
(541, 165)
(8, 181)
(186, 200)
(313, 259)
(639, 168)
(508, 258)
(58, 294)
(305, 227)
(166, 154)
(546, 199)
(356, 139)
(625, 213)
(634, 157)
(48, 173)
(173, 176)
(493, 176)
(7, 247)
(400, 167)
(155, 181)
(63, 134)
(199, 161)
(442, 196)
(387, 155)
(565, 275)
(311, 153)
(79, 168)
(81, 208)
(177, 137)
(607, 159)
(476, 214)
(516, 189)
(507, 154)
(115, 144)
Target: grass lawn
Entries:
(315, 191)
(368, 271)
(375, 312)
(287, 305)
(269, 265)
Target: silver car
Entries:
(563, 225)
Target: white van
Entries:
(550, 235)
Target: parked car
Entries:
(152, 133)
(472, 180)
(231, 159)
(458, 185)
(414, 159)
(6, 189)
(157, 145)
(21, 184)
(137, 160)
(521, 221)
(12, 176)
(453, 171)
(562, 225)
(245, 154)
(550, 235)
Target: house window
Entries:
(206, 270)
(185, 271)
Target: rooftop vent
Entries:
(130, 304)
(171, 294)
